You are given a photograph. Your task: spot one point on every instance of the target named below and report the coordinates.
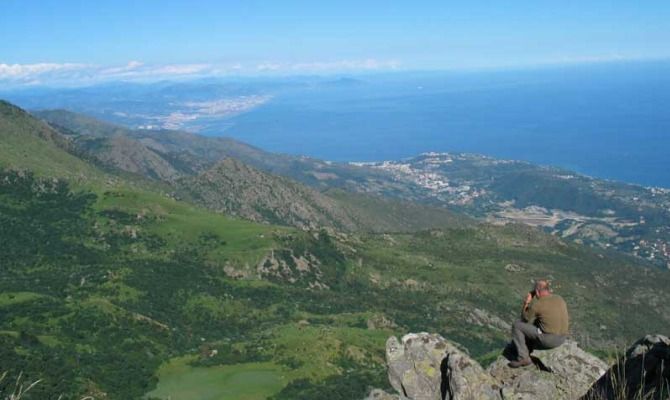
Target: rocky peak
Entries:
(423, 366)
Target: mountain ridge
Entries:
(200, 169)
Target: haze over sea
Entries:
(610, 120)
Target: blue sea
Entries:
(606, 120)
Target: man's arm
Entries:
(527, 312)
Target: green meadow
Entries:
(177, 380)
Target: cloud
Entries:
(78, 74)
(267, 66)
(73, 73)
(329, 66)
(126, 69)
(180, 69)
(65, 74)
(22, 71)
(138, 70)
(367, 64)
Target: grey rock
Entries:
(380, 321)
(566, 372)
(513, 268)
(427, 367)
(643, 372)
(378, 394)
(570, 362)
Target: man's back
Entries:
(549, 313)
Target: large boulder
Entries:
(643, 372)
(566, 372)
(427, 367)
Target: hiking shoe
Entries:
(520, 363)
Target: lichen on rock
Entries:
(423, 366)
(427, 367)
(565, 372)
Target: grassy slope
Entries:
(27, 143)
(379, 214)
(31, 144)
(181, 223)
(80, 123)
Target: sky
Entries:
(49, 41)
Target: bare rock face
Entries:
(643, 372)
(428, 367)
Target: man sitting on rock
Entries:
(543, 324)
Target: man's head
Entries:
(542, 288)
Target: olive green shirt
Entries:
(549, 313)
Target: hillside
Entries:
(203, 170)
(112, 146)
(234, 188)
(123, 292)
(129, 155)
(28, 143)
(203, 151)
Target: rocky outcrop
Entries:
(428, 367)
(643, 372)
(284, 265)
(566, 372)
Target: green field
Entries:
(10, 298)
(180, 381)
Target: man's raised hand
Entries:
(527, 300)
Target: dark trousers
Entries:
(525, 334)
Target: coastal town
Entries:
(472, 183)
(188, 115)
